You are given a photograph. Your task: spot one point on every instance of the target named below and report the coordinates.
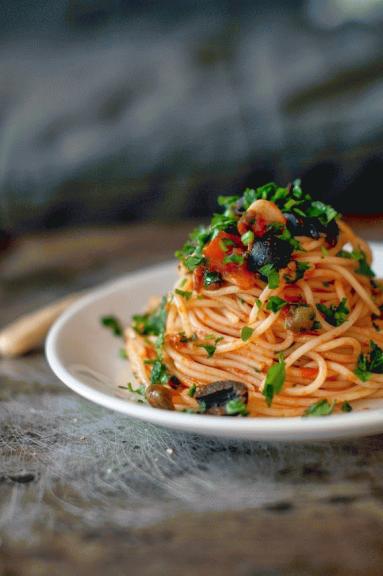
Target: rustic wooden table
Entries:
(85, 491)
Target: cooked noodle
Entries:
(319, 364)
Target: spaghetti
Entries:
(276, 313)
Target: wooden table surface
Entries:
(85, 491)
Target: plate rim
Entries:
(287, 428)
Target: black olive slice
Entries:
(312, 227)
(214, 397)
(269, 250)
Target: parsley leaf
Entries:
(324, 212)
(192, 390)
(288, 237)
(113, 323)
(360, 257)
(140, 390)
(370, 363)
(275, 304)
(335, 315)
(320, 408)
(346, 407)
(236, 407)
(210, 349)
(275, 379)
(184, 293)
(227, 201)
(234, 259)
(246, 333)
(300, 270)
(271, 274)
(159, 374)
(151, 323)
(193, 261)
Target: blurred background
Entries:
(120, 110)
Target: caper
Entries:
(159, 397)
(300, 317)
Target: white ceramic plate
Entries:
(84, 355)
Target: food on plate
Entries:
(276, 312)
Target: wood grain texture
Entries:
(86, 491)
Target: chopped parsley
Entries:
(258, 303)
(192, 390)
(227, 201)
(370, 363)
(193, 261)
(289, 199)
(335, 315)
(271, 274)
(275, 304)
(288, 237)
(210, 349)
(320, 408)
(113, 324)
(152, 323)
(246, 333)
(324, 212)
(140, 390)
(300, 270)
(159, 374)
(236, 407)
(361, 258)
(225, 244)
(122, 354)
(184, 293)
(275, 379)
(346, 407)
(234, 259)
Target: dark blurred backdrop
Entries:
(118, 110)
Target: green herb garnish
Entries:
(335, 315)
(210, 349)
(370, 363)
(192, 390)
(275, 379)
(113, 324)
(346, 407)
(236, 407)
(184, 293)
(320, 408)
(159, 374)
(275, 304)
(360, 257)
(234, 259)
(271, 274)
(151, 323)
(246, 333)
(300, 270)
(140, 390)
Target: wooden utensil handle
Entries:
(28, 331)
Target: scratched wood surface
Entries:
(84, 491)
